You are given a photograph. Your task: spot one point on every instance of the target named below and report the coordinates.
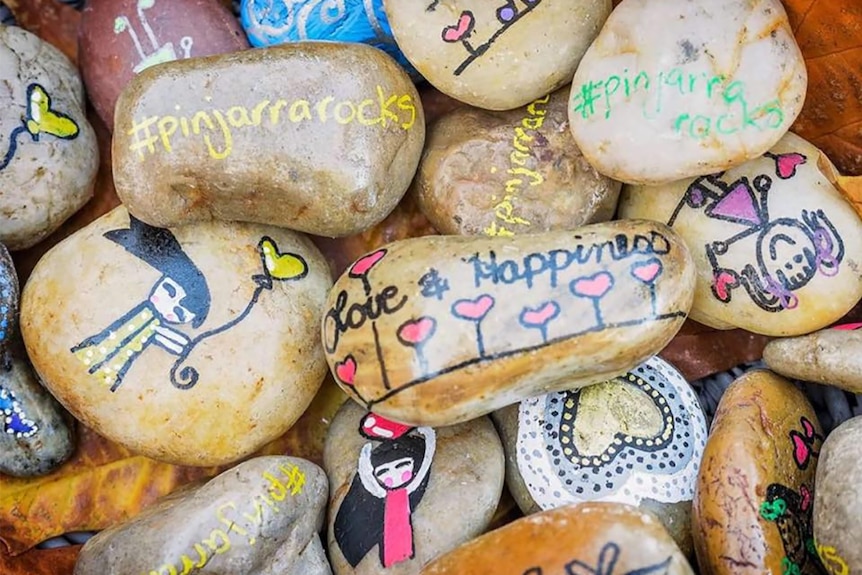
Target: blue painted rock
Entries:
(36, 433)
(755, 490)
(48, 150)
(195, 346)
(8, 305)
(777, 247)
(636, 439)
(260, 518)
(442, 329)
(590, 538)
(392, 483)
(268, 23)
(496, 55)
(327, 145)
(676, 89)
(120, 38)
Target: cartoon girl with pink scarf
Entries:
(388, 486)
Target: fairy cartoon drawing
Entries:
(388, 486)
(180, 296)
(789, 252)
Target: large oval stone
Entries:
(636, 439)
(754, 496)
(496, 55)
(605, 538)
(260, 518)
(778, 250)
(439, 330)
(327, 145)
(48, 151)
(830, 356)
(510, 173)
(268, 24)
(195, 346)
(396, 489)
(676, 89)
(837, 506)
(120, 38)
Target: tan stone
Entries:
(510, 173)
(439, 330)
(831, 356)
(496, 55)
(319, 137)
(580, 538)
(752, 506)
(194, 346)
(260, 518)
(676, 89)
(777, 248)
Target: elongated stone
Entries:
(438, 330)
(260, 518)
(830, 356)
(327, 144)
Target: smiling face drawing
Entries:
(167, 298)
(395, 474)
(786, 251)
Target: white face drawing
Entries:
(395, 474)
(166, 298)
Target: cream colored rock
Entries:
(778, 250)
(439, 330)
(48, 150)
(838, 505)
(510, 173)
(496, 55)
(319, 137)
(637, 439)
(194, 346)
(675, 89)
(589, 538)
(260, 518)
(402, 496)
(831, 356)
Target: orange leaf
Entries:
(829, 32)
(60, 561)
(105, 483)
(53, 21)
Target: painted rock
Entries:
(637, 439)
(194, 346)
(396, 488)
(678, 89)
(510, 173)
(602, 538)
(269, 24)
(8, 305)
(36, 434)
(443, 329)
(777, 247)
(48, 150)
(753, 502)
(496, 55)
(328, 145)
(260, 518)
(837, 506)
(119, 38)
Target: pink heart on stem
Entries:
(461, 29)
(473, 309)
(416, 332)
(787, 164)
(361, 266)
(540, 316)
(722, 281)
(594, 286)
(375, 426)
(647, 271)
(345, 370)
